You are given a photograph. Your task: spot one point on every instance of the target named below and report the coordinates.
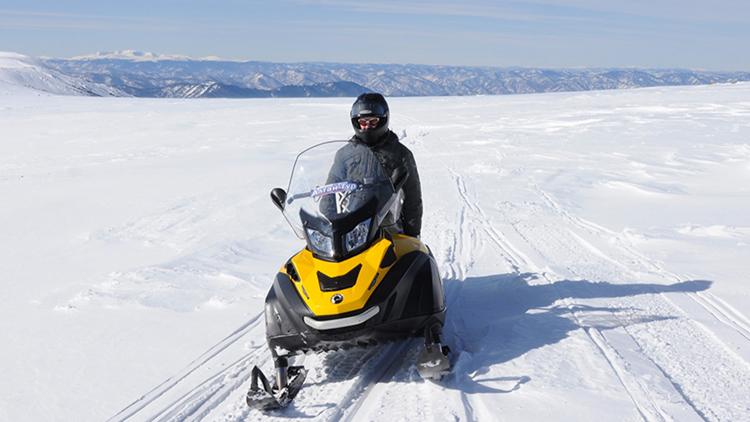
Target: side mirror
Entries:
(278, 197)
(399, 177)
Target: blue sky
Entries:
(544, 33)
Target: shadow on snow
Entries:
(494, 319)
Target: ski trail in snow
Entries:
(160, 390)
(649, 410)
(658, 363)
(736, 335)
(722, 311)
(511, 259)
(494, 235)
(639, 393)
(375, 382)
(466, 240)
(199, 402)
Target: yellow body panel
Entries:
(405, 244)
(355, 297)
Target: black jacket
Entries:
(393, 154)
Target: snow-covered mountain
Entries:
(19, 73)
(218, 90)
(153, 75)
(134, 55)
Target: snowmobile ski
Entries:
(433, 362)
(270, 396)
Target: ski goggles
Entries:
(368, 121)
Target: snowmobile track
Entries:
(386, 369)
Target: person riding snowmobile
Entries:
(364, 276)
(370, 116)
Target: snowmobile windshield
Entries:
(337, 197)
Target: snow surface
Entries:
(594, 248)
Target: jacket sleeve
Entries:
(411, 212)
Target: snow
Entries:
(594, 248)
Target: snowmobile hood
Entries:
(335, 288)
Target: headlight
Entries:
(357, 237)
(320, 243)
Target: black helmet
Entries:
(370, 105)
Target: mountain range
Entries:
(151, 75)
(19, 73)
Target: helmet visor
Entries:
(368, 122)
(369, 109)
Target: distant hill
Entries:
(150, 75)
(23, 74)
(219, 90)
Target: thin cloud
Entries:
(508, 12)
(543, 19)
(22, 19)
(61, 15)
(724, 11)
(540, 11)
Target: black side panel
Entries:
(284, 309)
(392, 279)
(389, 258)
(426, 295)
(411, 288)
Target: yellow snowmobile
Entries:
(358, 281)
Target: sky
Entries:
(543, 33)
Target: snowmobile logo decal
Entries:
(337, 298)
(341, 187)
(342, 203)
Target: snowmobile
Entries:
(358, 281)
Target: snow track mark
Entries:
(512, 256)
(198, 403)
(159, 391)
(718, 318)
(659, 399)
(716, 306)
(376, 383)
(695, 381)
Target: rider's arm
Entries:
(412, 209)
